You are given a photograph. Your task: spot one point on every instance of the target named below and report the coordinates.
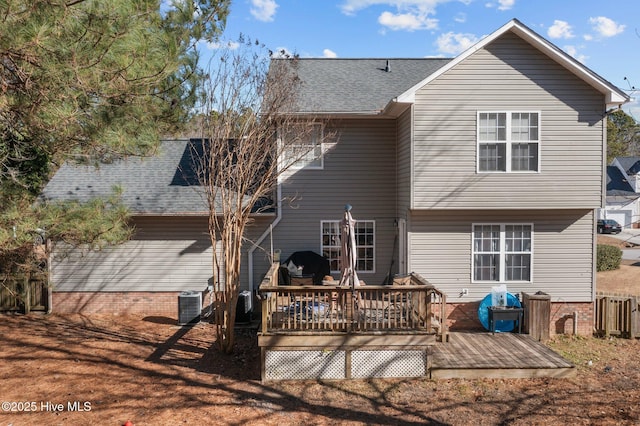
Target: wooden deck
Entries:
(501, 355)
(399, 330)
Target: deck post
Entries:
(350, 308)
(265, 302)
(263, 359)
(347, 364)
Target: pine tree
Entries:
(623, 135)
(90, 80)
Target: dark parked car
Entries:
(608, 226)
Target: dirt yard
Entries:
(107, 370)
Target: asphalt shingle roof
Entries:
(358, 85)
(631, 165)
(617, 184)
(163, 184)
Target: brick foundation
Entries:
(464, 316)
(460, 316)
(121, 303)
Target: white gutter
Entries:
(268, 231)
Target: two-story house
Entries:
(623, 192)
(475, 171)
(481, 170)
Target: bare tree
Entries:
(250, 138)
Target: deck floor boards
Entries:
(501, 355)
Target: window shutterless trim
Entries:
(304, 163)
(508, 142)
(502, 252)
(338, 247)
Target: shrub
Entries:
(608, 258)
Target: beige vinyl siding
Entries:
(563, 250)
(508, 75)
(404, 162)
(166, 254)
(360, 170)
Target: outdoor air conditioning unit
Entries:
(189, 307)
(244, 307)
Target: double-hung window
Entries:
(508, 142)
(331, 244)
(304, 152)
(502, 252)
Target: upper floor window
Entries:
(306, 152)
(508, 141)
(331, 245)
(502, 252)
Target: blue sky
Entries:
(605, 36)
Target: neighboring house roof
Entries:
(164, 184)
(631, 165)
(617, 184)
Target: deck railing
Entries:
(409, 305)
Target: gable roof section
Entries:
(357, 86)
(630, 165)
(617, 185)
(163, 184)
(339, 86)
(613, 95)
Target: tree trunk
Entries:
(227, 294)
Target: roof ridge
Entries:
(372, 59)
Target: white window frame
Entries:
(313, 159)
(509, 141)
(336, 247)
(502, 252)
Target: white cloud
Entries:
(350, 7)
(573, 51)
(606, 27)
(453, 43)
(409, 15)
(407, 21)
(460, 18)
(502, 4)
(263, 10)
(560, 29)
(587, 37)
(231, 45)
(632, 108)
(506, 4)
(328, 53)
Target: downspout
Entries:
(264, 234)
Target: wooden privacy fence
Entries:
(617, 315)
(23, 292)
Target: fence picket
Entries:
(23, 292)
(617, 315)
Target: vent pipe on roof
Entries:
(387, 68)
